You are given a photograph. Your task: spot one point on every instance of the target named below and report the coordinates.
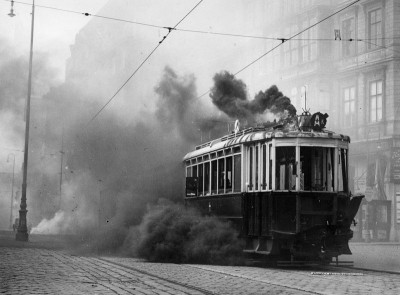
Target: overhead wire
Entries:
(195, 31)
(142, 63)
(90, 14)
(283, 40)
(381, 46)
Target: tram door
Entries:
(251, 201)
(255, 204)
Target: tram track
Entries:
(201, 290)
(295, 290)
(270, 277)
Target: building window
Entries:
(348, 31)
(375, 101)
(308, 45)
(306, 3)
(349, 101)
(290, 48)
(375, 28)
(276, 57)
(289, 7)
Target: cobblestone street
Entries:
(37, 270)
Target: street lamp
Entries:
(12, 189)
(22, 232)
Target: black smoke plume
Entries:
(176, 234)
(229, 94)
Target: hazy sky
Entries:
(54, 30)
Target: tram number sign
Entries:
(395, 173)
(318, 121)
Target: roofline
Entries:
(257, 135)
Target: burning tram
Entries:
(285, 187)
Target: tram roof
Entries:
(256, 134)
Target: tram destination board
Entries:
(395, 173)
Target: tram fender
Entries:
(353, 207)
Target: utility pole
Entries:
(22, 233)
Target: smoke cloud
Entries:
(113, 168)
(13, 94)
(179, 235)
(229, 94)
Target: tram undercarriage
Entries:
(325, 237)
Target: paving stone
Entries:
(45, 271)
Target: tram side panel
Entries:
(307, 209)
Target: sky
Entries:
(54, 30)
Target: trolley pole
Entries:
(22, 233)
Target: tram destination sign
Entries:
(395, 173)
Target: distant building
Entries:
(350, 64)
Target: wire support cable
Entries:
(143, 62)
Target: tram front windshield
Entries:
(316, 171)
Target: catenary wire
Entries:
(223, 34)
(381, 46)
(142, 63)
(288, 39)
(196, 31)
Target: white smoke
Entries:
(59, 224)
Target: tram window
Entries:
(214, 177)
(256, 168)
(194, 171)
(188, 171)
(286, 168)
(250, 180)
(237, 173)
(228, 178)
(207, 178)
(201, 175)
(264, 167)
(316, 169)
(221, 175)
(270, 165)
(342, 170)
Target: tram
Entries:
(284, 186)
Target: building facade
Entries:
(350, 64)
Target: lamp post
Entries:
(12, 189)
(22, 231)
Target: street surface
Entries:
(33, 268)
